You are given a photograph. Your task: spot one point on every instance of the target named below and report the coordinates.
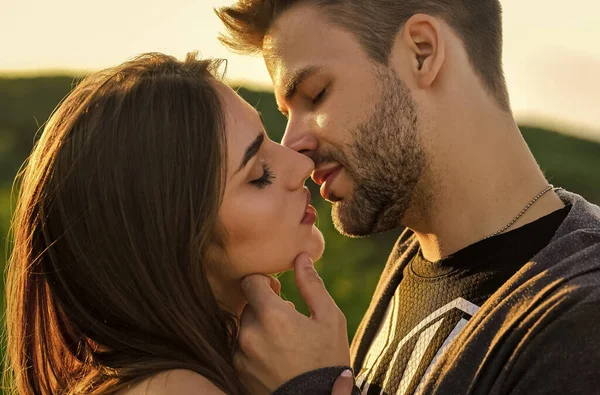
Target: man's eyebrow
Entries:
(290, 86)
(252, 150)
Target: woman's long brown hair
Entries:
(117, 212)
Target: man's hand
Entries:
(277, 343)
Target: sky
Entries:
(551, 48)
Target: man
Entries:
(495, 285)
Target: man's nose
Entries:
(299, 138)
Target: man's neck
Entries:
(483, 178)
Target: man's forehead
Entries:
(294, 23)
(294, 37)
(274, 58)
(278, 64)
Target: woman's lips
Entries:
(310, 213)
(310, 216)
(326, 185)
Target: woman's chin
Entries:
(318, 254)
(313, 245)
(315, 252)
(316, 245)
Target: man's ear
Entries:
(422, 35)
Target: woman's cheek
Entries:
(250, 213)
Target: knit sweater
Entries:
(536, 334)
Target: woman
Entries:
(151, 193)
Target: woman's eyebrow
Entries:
(252, 150)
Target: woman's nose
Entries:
(300, 168)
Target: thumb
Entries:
(311, 287)
(344, 384)
(259, 292)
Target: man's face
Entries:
(354, 117)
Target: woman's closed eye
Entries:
(266, 178)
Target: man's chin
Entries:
(347, 222)
(356, 221)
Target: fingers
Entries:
(344, 383)
(248, 317)
(311, 287)
(275, 285)
(249, 339)
(259, 291)
(247, 321)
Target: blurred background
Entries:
(551, 60)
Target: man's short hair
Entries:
(375, 23)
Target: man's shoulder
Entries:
(558, 355)
(574, 251)
(573, 254)
(564, 274)
(582, 223)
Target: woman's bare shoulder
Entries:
(177, 381)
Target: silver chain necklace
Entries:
(547, 189)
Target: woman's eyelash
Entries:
(266, 179)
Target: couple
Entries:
(154, 208)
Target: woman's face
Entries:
(265, 210)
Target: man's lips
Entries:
(326, 180)
(320, 176)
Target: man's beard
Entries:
(385, 159)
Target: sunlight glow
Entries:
(551, 57)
